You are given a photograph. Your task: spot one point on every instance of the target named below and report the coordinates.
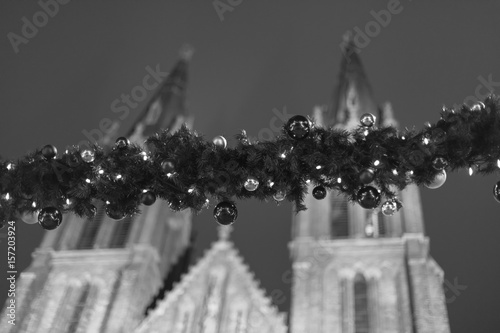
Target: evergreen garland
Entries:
(128, 175)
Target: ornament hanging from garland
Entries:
(251, 184)
(319, 192)
(49, 152)
(220, 141)
(368, 197)
(438, 180)
(298, 127)
(225, 213)
(50, 218)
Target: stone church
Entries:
(355, 270)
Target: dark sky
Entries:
(265, 56)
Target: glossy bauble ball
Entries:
(49, 152)
(279, 196)
(88, 155)
(251, 184)
(368, 197)
(220, 141)
(168, 166)
(225, 213)
(438, 180)
(439, 163)
(366, 176)
(49, 218)
(114, 212)
(389, 208)
(319, 192)
(496, 191)
(148, 198)
(298, 127)
(29, 217)
(367, 120)
(479, 106)
(122, 142)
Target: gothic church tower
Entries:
(356, 270)
(99, 275)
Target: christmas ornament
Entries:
(251, 184)
(479, 106)
(168, 166)
(88, 155)
(225, 213)
(367, 119)
(113, 212)
(220, 141)
(439, 163)
(148, 198)
(368, 197)
(496, 191)
(279, 195)
(319, 192)
(49, 152)
(122, 142)
(438, 180)
(30, 217)
(49, 218)
(298, 127)
(389, 208)
(366, 176)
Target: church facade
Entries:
(355, 270)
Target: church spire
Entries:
(353, 95)
(166, 109)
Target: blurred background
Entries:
(249, 60)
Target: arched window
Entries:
(78, 310)
(90, 229)
(361, 313)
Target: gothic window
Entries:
(90, 229)
(375, 224)
(340, 218)
(121, 232)
(361, 313)
(78, 310)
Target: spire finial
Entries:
(224, 232)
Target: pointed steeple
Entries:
(167, 108)
(353, 95)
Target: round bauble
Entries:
(368, 197)
(225, 213)
(49, 218)
(220, 141)
(366, 176)
(439, 163)
(319, 192)
(479, 106)
(30, 217)
(148, 198)
(122, 142)
(114, 212)
(49, 152)
(168, 166)
(88, 155)
(251, 184)
(438, 180)
(298, 127)
(496, 191)
(367, 120)
(389, 208)
(279, 195)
